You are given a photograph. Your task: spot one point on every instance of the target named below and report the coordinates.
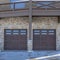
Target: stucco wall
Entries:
(23, 23)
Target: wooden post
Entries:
(30, 20)
(30, 26)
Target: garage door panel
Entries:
(15, 39)
(23, 38)
(36, 48)
(43, 48)
(45, 40)
(36, 36)
(51, 48)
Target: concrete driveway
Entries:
(35, 55)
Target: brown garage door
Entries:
(15, 39)
(44, 39)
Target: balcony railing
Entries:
(13, 6)
(25, 5)
(39, 8)
(46, 5)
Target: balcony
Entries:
(39, 8)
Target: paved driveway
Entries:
(35, 55)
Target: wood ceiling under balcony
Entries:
(39, 8)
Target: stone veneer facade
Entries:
(23, 23)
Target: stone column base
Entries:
(29, 45)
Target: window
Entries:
(51, 33)
(22, 32)
(51, 30)
(36, 33)
(44, 31)
(36, 30)
(15, 32)
(8, 32)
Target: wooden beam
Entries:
(58, 19)
(25, 12)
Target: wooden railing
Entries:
(41, 6)
(13, 6)
(25, 5)
(11, 9)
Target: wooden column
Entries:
(30, 26)
(30, 19)
(58, 19)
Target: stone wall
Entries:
(23, 23)
(45, 22)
